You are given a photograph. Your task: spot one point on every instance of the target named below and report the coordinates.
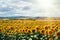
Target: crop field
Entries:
(25, 29)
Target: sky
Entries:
(33, 8)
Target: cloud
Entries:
(8, 7)
(5, 9)
(45, 8)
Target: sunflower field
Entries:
(25, 29)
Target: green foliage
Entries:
(34, 36)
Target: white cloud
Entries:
(48, 8)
